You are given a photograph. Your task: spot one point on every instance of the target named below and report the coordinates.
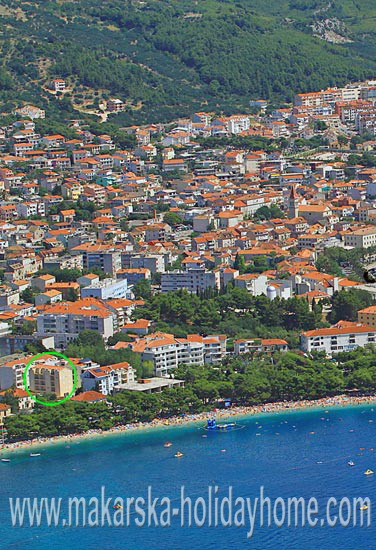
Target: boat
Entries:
(167, 444)
(5, 460)
(363, 508)
(368, 472)
(178, 454)
(351, 463)
(34, 454)
(117, 507)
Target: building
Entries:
(252, 282)
(5, 410)
(51, 377)
(367, 316)
(115, 105)
(89, 397)
(152, 385)
(193, 280)
(25, 402)
(59, 85)
(344, 336)
(28, 209)
(361, 238)
(65, 320)
(167, 352)
(107, 379)
(263, 345)
(107, 288)
(133, 275)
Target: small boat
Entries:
(178, 454)
(117, 507)
(34, 454)
(5, 460)
(363, 508)
(368, 472)
(351, 463)
(167, 444)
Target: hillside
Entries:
(168, 58)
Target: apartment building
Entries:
(344, 336)
(361, 238)
(28, 209)
(51, 377)
(107, 288)
(252, 282)
(167, 352)
(96, 255)
(107, 379)
(193, 280)
(134, 276)
(65, 320)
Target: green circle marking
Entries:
(30, 364)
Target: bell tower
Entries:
(293, 210)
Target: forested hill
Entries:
(167, 58)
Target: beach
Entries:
(234, 412)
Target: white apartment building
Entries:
(106, 289)
(361, 238)
(344, 336)
(65, 320)
(254, 283)
(109, 378)
(28, 209)
(237, 124)
(167, 352)
(193, 280)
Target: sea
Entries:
(273, 456)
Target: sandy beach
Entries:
(234, 412)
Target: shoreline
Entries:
(235, 412)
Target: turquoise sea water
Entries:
(285, 458)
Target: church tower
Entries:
(293, 210)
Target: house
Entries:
(107, 379)
(139, 327)
(174, 164)
(58, 85)
(5, 410)
(25, 402)
(263, 345)
(48, 297)
(229, 218)
(115, 105)
(252, 282)
(367, 316)
(89, 397)
(31, 112)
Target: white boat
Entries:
(34, 454)
(5, 460)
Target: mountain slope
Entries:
(167, 58)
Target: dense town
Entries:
(227, 214)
